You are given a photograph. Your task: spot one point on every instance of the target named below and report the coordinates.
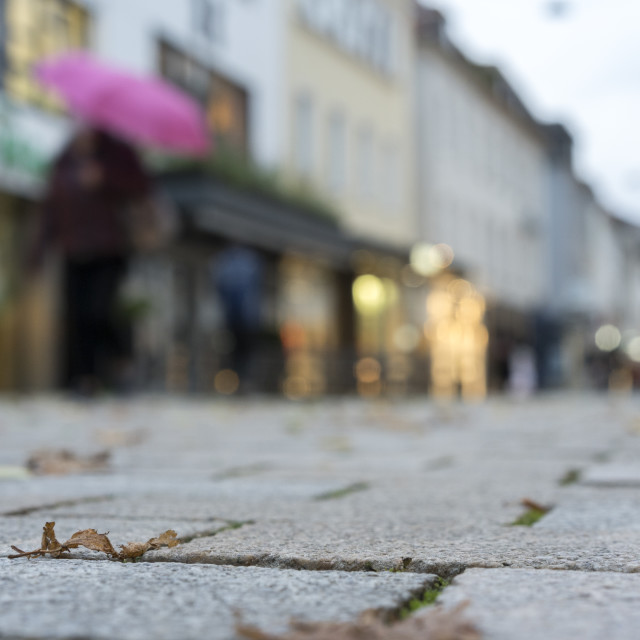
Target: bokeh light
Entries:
(368, 370)
(633, 349)
(406, 338)
(369, 294)
(608, 337)
(428, 259)
(226, 382)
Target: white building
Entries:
(328, 89)
(481, 177)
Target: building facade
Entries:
(372, 132)
(347, 113)
(31, 132)
(481, 182)
(254, 67)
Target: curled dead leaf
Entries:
(49, 540)
(133, 550)
(63, 462)
(532, 504)
(136, 549)
(167, 539)
(94, 541)
(48, 544)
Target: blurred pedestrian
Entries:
(91, 185)
(238, 277)
(523, 377)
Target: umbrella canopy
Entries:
(145, 110)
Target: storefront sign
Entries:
(363, 28)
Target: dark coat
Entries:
(88, 223)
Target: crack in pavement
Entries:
(25, 511)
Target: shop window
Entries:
(225, 102)
(35, 30)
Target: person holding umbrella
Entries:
(90, 185)
(93, 184)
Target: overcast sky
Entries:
(576, 61)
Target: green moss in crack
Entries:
(428, 598)
(571, 477)
(528, 518)
(345, 491)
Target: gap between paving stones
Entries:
(444, 571)
(230, 526)
(25, 511)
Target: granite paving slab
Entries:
(540, 605)
(385, 545)
(585, 509)
(48, 598)
(613, 475)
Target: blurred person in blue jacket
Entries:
(238, 277)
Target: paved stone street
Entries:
(322, 511)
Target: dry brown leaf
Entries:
(532, 504)
(49, 544)
(167, 539)
(91, 539)
(434, 625)
(133, 550)
(136, 549)
(63, 462)
(49, 540)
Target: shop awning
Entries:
(213, 208)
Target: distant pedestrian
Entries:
(91, 185)
(238, 277)
(523, 377)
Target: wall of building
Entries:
(606, 267)
(570, 208)
(347, 108)
(241, 40)
(481, 181)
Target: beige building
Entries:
(347, 110)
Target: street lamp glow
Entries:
(633, 349)
(429, 259)
(608, 338)
(369, 294)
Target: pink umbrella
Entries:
(143, 110)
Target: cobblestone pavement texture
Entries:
(321, 511)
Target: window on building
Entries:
(303, 135)
(35, 30)
(365, 163)
(389, 178)
(336, 156)
(209, 18)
